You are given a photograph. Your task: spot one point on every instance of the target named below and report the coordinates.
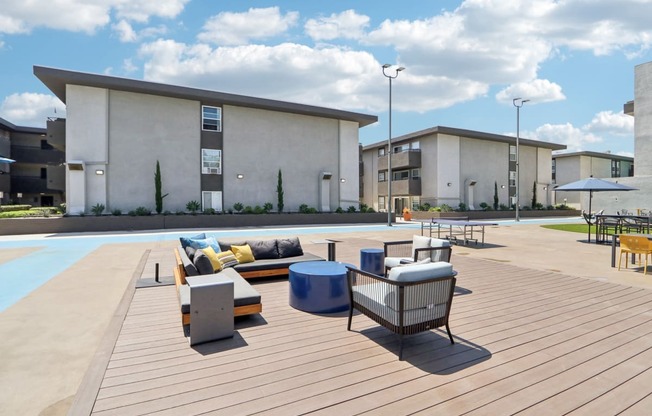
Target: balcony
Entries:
(404, 187)
(402, 160)
(31, 185)
(35, 155)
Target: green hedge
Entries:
(8, 208)
(34, 212)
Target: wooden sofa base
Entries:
(265, 273)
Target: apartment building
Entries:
(444, 165)
(215, 148)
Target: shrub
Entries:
(425, 207)
(364, 207)
(268, 207)
(370, 210)
(339, 210)
(550, 207)
(166, 212)
(462, 207)
(98, 209)
(351, 209)
(8, 208)
(180, 213)
(116, 212)
(248, 210)
(259, 210)
(142, 211)
(504, 207)
(209, 211)
(237, 207)
(193, 206)
(484, 206)
(562, 206)
(303, 208)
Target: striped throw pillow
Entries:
(226, 259)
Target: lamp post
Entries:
(518, 103)
(389, 142)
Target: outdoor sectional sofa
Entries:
(271, 258)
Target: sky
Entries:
(465, 61)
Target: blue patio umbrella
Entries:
(594, 185)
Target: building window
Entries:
(414, 145)
(416, 173)
(416, 202)
(381, 203)
(211, 161)
(382, 176)
(211, 200)
(211, 118)
(512, 179)
(512, 153)
(615, 168)
(381, 152)
(401, 175)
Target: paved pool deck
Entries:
(51, 335)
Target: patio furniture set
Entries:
(407, 287)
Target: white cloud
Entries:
(229, 28)
(347, 24)
(81, 15)
(125, 32)
(31, 109)
(608, 122)
(574, 138)
(537, 91)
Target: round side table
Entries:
(319, 286)
(372, 260)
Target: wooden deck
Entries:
(527, 342)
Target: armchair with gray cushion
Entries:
(412, 299)
(416, 250)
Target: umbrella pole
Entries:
(596, 220)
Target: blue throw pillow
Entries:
(199, 243)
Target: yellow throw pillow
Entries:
(213, 257)
(243, 253)
(226, 259)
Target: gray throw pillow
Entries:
(263, 249)
(289, 247)
(202, 263)
(190, 252)
(226, 246)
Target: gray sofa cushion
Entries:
(289, 247)
(188, 265)
(225, 245)
(202, 263)
(243, 293)
(263, 249)
(275, 263)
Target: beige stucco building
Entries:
(444, 165)
(571, 167)
(215, 148)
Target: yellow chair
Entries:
(634, 244)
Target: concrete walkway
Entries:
(51, 335)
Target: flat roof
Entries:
(594, 154)
(21, 129)
(57, 79)
(470, 134)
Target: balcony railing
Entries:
(402, 160)
(32, 185)
(25, 154)
(403, 187)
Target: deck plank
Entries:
(526, 341)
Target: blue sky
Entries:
(464, 60)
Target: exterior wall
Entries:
(5, 184)
(86, 138)
(643, 119)
(447, 160)
(349, 171)
(485, 163)
(370, 178)
(257, 143)
(144, 129)
(544, 177)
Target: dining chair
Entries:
(634, 244)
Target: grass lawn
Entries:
(574, 228)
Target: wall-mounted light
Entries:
(99, 172)
(545, 188)
(342, 180)
(449, 184)
(502, 186)
(239, 176)
(19, 195)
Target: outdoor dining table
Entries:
(614, 243)
(618, 221)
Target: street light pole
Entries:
(518, 103)
(389, 143)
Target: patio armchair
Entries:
(634, 244)
(418, 249)
(413, 299)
